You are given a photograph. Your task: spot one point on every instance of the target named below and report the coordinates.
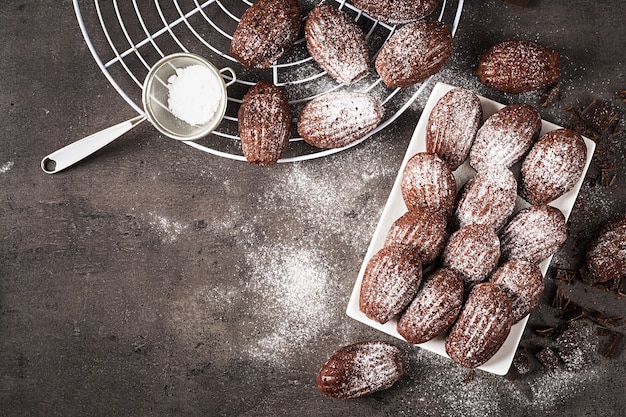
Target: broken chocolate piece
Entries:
(599, 116)
(548, 358)
(570, 350)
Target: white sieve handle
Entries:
(76, 151)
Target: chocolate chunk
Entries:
(548, 358)
(599, 116)
(570, 350)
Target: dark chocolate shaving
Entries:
(612, 345)
(565, 275)
(551, 95)
(545, 331)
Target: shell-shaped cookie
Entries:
(472, 252)
(523, 282)
(482, 327)
(266, 31)
(264, 122)
(391, 280)
(420, 230)
(488, 198)
(518, 66)
(606, 256)
(434, 309)
(505, 136)
(396, 12)
(553, 166)
(337, 44)
(534, 234)
(452, 126)
(413, 53)
(428, 182)
(360, 369)
(337, 119)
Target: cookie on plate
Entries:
(488, 198)
(553, 166)
(482, 327)
(420, 230)
(523, 282)
(533, 234)
(391, 280)
(434, 309)
(428, 182)
(505, 137)
(472, 252)
(452, 126)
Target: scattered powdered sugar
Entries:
(167, 229)
(6, 167)
(291, 284)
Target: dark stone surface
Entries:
(155, 279)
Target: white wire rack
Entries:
(127, 37)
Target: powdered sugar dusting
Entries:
(291, 284)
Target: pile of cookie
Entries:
(483, 258)
(268, 30)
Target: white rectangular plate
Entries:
(499, 364)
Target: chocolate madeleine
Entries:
(505, 136)
(360, 369)
(488, 198)
(266, 31)
(523, 282)
(518, 66)
(337, 119)
(391, 280)
(533, 234)
(420, 230)
(337, 44)
(606, 256)
(396, 12)
(553, 166)
(482, 327)
(452, 126)
(434, 309)
(413, 53)
(428, 182)
(472, 252)
(264, 123)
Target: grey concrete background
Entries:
(156, 280)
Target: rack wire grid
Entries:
(126, 38)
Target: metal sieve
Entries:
(154, 97)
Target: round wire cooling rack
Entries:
(127, 37)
